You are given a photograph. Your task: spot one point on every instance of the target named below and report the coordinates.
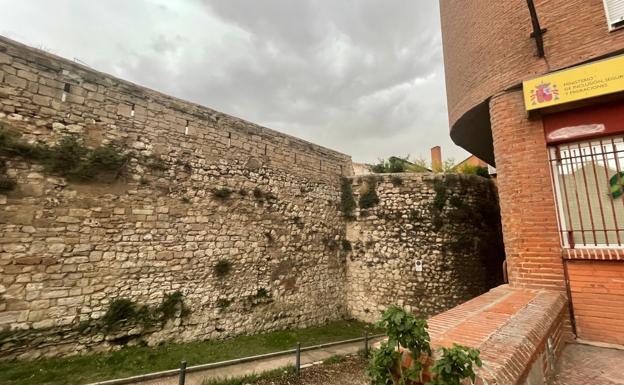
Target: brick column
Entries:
(527, 202)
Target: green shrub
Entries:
(7, 184)
(346, 245)
(222, 193)
(222, 268)
(455, 365)
(69, 158)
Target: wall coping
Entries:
(58, 64)
(512, 328)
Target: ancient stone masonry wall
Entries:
(450, 223)
(207, 226)
(243, 221)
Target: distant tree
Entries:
(474, 170)
(396, 164)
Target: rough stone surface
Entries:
(460, 259)
(68, 250)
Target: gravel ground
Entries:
(348, 372)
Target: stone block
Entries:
(16, 82)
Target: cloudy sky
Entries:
(364, 77)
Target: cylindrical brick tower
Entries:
(536, 88)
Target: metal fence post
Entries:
(366, 342)
(182, 373)
(298, 359)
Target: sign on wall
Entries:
(587, 81)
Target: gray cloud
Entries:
(364, 77)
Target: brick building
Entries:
(536, 89)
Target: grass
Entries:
(335, 359)
(133, 361)
(251, 378)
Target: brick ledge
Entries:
(518, 331)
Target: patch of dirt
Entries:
(349, 372)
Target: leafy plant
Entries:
(382, 363)
(405, 332)
(403, 329)
(222, 268)
(455, 364)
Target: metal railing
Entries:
(585, 174)
(184, 370)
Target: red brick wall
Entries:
(487, 44)
(598, 298)
(527, 202)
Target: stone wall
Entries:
(450, 223)
(213, 227)
(68, 250)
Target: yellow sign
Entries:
(587, 81)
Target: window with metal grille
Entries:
(615, 13)
(588, 178)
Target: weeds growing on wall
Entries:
(223, 303)
(170, 306)
(222, 193)
(262, 293)
(396, 181)
(478, 218)
(222, 268)
(124, 311)
(347, 202)
(368, 194)
(156, 163)
(438, 204)
(7, 184)
(69, 158)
